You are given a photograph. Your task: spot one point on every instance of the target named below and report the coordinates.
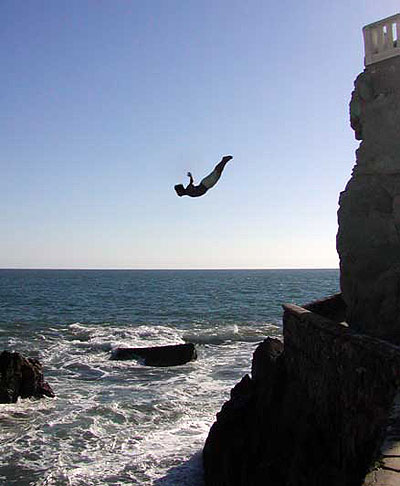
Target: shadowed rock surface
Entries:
(332, 307)
(314, 411)
(368, 240)
(21, 377)
(171, 355)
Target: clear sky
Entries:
(106, 104)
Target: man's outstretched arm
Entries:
(189, 174)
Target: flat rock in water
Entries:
(21, 377)
(170, 355)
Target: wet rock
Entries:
(21, 377)
(170, 355)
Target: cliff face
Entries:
(368, 240)
(313, 412)
(316, 409)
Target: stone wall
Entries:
(368, 240)
(315, 410)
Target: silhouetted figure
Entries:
(206, 183)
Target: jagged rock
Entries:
(314, 411)
(237, 444)
(264, 359)
(368, 240)
(21, 377)
(170, 355)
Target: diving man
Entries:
(205, 184)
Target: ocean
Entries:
(117, 423)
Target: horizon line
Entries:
(168, 269)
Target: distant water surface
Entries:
(120, 423)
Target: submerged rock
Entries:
(21, 377)
(170, 355)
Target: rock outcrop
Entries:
(314, 411)
(170, 355)
(21, 377)
(323, 408)
(368, 240)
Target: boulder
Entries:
(21, 377)
(170, 355)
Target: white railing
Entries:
(382, 39)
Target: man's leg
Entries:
(221, 165)
(213, 178)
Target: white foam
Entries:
(231, 333)
(109, 337)
(116, 422)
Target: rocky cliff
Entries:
(314, 411)
(368, 240)
(319, 408)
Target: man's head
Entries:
(180, 190)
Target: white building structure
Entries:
(382, 39)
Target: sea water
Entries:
(119, 422)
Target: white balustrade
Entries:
(382, 39)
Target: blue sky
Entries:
(105, 105)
